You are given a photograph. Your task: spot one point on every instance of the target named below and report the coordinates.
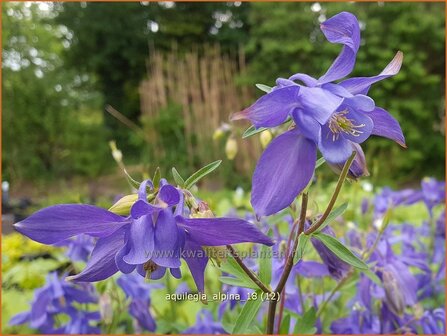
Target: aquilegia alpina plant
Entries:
(151, 231)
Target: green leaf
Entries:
(340, 250)
(247, 314)
(233, 268)
(302, 243)
(305, 325)
(131, 181)
(177, 177)
(285, 325)
(372, 276)
(265, 264)
(338, 211)
(238, 282)
(320, 161)
(202, 172)
(157, 177)
(264, 88)
(252, 130)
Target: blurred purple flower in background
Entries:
(205, 324)
(59, 297)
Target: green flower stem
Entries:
(288, 266)
(251, 275)
(334, 197)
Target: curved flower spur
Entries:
(335, 117)
(154, 237)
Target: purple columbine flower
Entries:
(335, 117)
(205, 324)
(138, 291)
(79, 247)
(151, 239)
(433, 193)
(59, 297)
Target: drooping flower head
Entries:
(333, 117)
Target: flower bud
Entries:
(231, 148)
(218, 133)
(122, 207)
(116, 153)
(265, 137)
(393, 295)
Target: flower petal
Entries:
(307, 125)
(158, 273)
(283, 171)
(141, 241)
(342, 28)
(166, 241)
(176, 273)
(142, 190)
(20, 318)
(386, 126)
(101, 264)
(120, 263)
(169, 195)
(196, 259)
(334, 150)
(360, 102)
(306, 79)
(59, 222)
(271, 109)
(361, 85)
(358, 167)
(319, 103)
(143, 208)
(222, 231)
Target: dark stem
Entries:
(288, 266)
(334, 197)
(251, 275)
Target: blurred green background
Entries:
(63, 63)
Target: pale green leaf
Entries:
(202, 172)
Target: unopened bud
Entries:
(231, 148)
(116, 153)
(265, 137)
(122, 207)
(218, 133)
(393, 294)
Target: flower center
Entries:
(149, 267)
(340, 123)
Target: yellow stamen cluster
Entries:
(340, 123)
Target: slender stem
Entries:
(340, 284)
(251, 275)
(271, 317)
(334, 197)
(288, 266)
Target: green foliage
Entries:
(248, 313)
(201, 173)
(47, 131)
(340, 250)
(285, 39)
